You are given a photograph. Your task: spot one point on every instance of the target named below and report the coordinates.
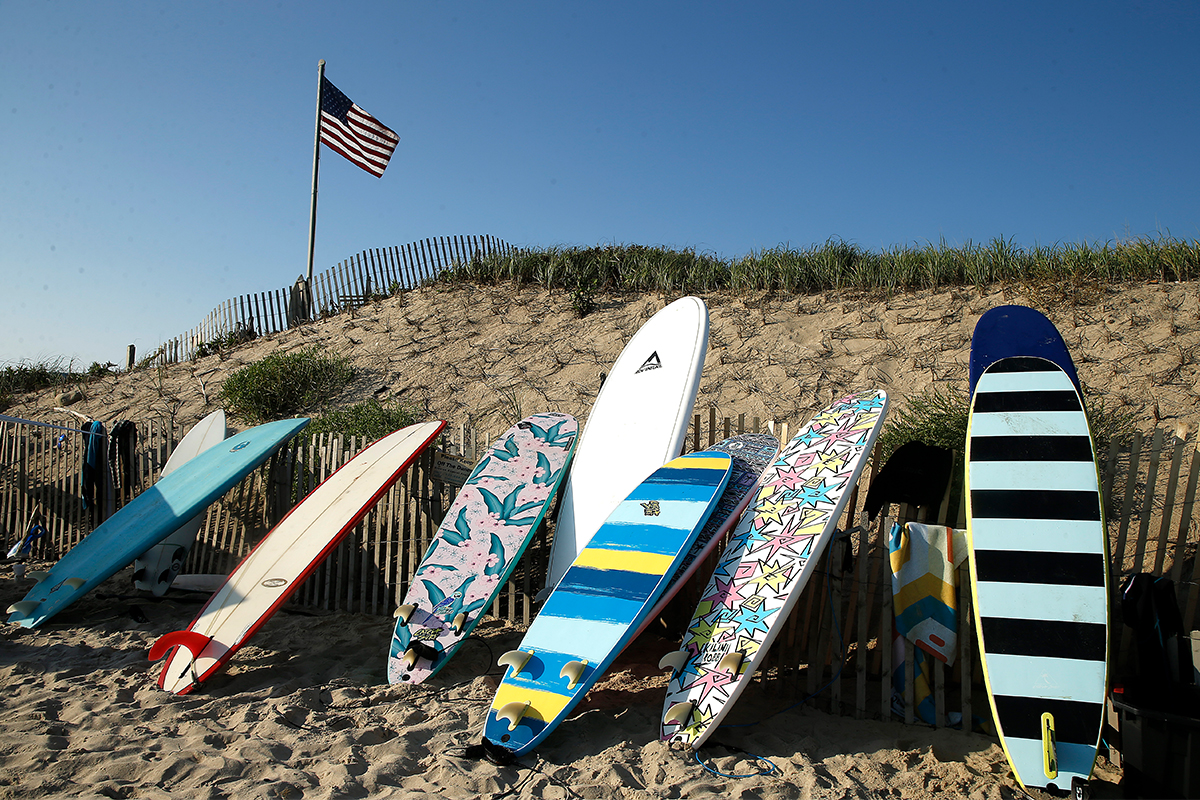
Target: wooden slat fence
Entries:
(369, 275)
(836, 651)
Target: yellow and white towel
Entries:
(924, 560)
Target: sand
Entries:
(304, 711)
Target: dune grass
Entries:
(837, 264)
(28, 376)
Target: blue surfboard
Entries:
(148, 519)
(603, 597)
(1007, 331)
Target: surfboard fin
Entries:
(517, 659)
(1049, 747)
(673, 661)
(573, 671)
(404, 613)
(731, 662)
(25, 607)
(416, 651)
(38, 575)
(74, 583)
(512, 713)
(679, 713)
(460, 622)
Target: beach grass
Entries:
(31, 376)
(837, 264)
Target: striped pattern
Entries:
(347, 129)
(601, 600)
(1039, 565)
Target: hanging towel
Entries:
(924, 562)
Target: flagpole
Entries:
(312, 216)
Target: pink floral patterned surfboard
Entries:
(770, 557)
(479, 543)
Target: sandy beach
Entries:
(305, 711)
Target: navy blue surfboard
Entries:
(1007, 331)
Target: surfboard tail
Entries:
(23, 607)
(193, 642)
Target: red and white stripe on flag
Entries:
(354, 133)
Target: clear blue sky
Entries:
(157, 157)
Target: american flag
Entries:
(354, 133)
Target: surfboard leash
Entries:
(771, 769)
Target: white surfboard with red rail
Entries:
(288, 554)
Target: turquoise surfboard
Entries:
(148, 519)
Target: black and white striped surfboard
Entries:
(1039, 568)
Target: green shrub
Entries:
(939, 418)
(371, 420)
(286, 384)
(935, 417)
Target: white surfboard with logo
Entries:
(290, 552)
(638, 423)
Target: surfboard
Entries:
(199, 582)
(750, 454)
(637, 424)
(155, 569)
(289, 552)
(148, 518)
(1039, 568)
(602, 599)
(768, 561)
(1006, 331)
(477, 547)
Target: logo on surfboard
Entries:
(653, 362)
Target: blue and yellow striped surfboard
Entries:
(602, 599)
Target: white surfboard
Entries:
(154, 570)
(282, 560)
(638, 423)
